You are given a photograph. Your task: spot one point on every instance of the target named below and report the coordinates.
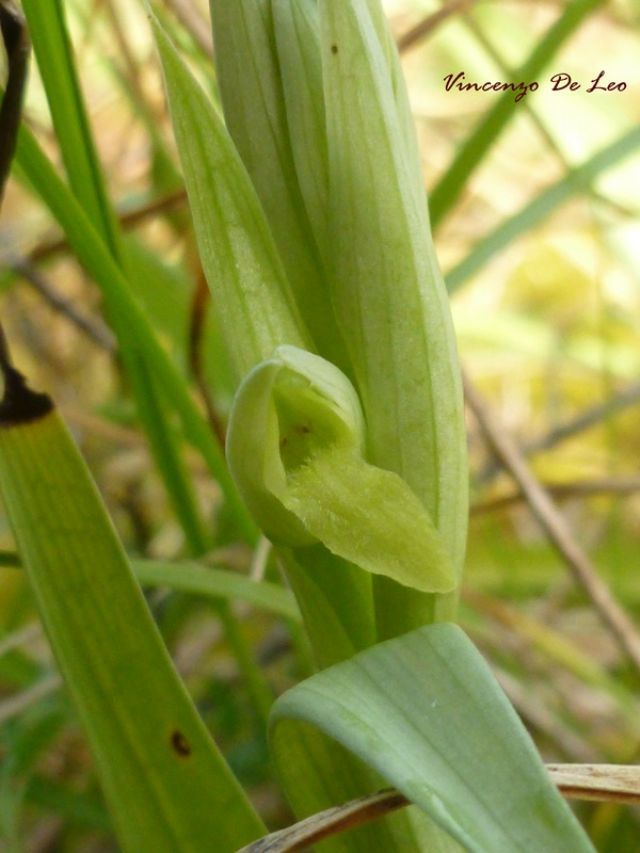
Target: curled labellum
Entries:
(296, 448)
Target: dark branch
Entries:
(19, 403)
(16, 44)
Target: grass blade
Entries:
(126, 312)
(55, 59)
(198, 579)
(54, 54)
(195, 579)
(576, 181)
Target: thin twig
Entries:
(16, 44)
(93, 329)
(118, 26)
(588, 418)
(431, 22)
(127, 218)
(556, 528)
(200, 305)
(13, 706)
(564, 491)
(21, 637)
(602, 782)
(313, 829)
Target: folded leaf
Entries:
(425, 711)
(296, 448)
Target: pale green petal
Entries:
(296, 450)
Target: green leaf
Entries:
(335, 601)
(388, 291)
(476, 145)
(166, 784)
(250, 291)
(333, 775)
(196, 579)
(425, 712)
(296, 446)
(54, 53)
(575, 181)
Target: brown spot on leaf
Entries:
(334, 48)
(180, 744)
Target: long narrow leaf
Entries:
(168, 787)
(55, 59)
(52, 47)
(196, 579)
(248, 284)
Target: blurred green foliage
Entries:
(547, 326)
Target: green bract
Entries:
(296, 448)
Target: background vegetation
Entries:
(543, 258)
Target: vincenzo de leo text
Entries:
(557, 83)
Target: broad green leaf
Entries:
(248, 284)
(388, 291)
(476, 145)
(253, 89)
(167, 786)
(425, 712)
(575, 181)
(296, 446)
(333, 775)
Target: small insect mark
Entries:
(180, 744)
(334, 48)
